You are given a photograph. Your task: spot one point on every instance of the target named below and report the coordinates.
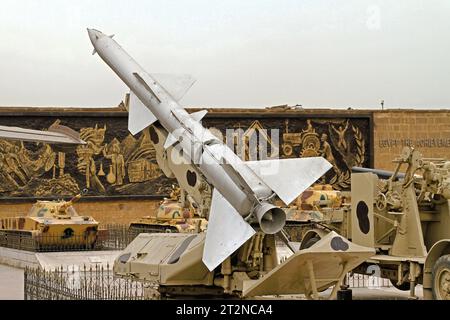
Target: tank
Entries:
(317, 206)
(174, 215)
(51, 224)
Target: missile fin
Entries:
(175, 84)
(139, 116)
(171, 139)
(198, 116)
(288, 178)
(226, 232)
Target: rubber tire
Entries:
(403, 287)
(311, 242)
(442, 262)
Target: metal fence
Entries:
(367, 281)
(110, 237)
(100, 284)
(72, 283)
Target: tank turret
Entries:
(53, 224)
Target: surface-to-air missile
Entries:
(237, 254)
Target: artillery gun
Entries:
(51, 225)
(405, 217)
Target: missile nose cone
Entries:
(94, 35)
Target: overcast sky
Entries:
(317, 53)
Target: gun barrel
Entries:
(383, 174)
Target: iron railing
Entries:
(72, 283)
(357, 280)
(99, 283)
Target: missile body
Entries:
(209, 152)
(241, 189)
(56, 134)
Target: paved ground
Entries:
(11, 288)
(11, 283)
(11, 280)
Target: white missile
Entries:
(56, 134)
(243, 191)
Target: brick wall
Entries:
(427, 131)
(111, 211)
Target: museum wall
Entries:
(124, 181)
(108, 211)
(426, 130)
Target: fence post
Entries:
(25, 288)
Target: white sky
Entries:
(318, 53)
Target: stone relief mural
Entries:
(344, 142)
(113, 162)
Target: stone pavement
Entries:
(11, 283)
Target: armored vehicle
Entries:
(52, 224)
(405, 217)
(174, 214)
(320, 208)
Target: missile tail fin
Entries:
(226, 232)
(198, 116)
(171, 139)
(175, 84)
(277, 174)
(139, 116)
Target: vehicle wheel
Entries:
(310, 242)
(441, 278)
(404, 286)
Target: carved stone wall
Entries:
(112, 163)
(344, 141)
(115, 163)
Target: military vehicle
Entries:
(172, 263)
(405, 217)
(52, 225)
(318, 207)
(174, 214)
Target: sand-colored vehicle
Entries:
(51, 224)
(174, 215)
(405, 217)
(171, 216)
(318, 207)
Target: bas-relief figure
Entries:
(108, 164)
(113, 162)
(342, 141)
